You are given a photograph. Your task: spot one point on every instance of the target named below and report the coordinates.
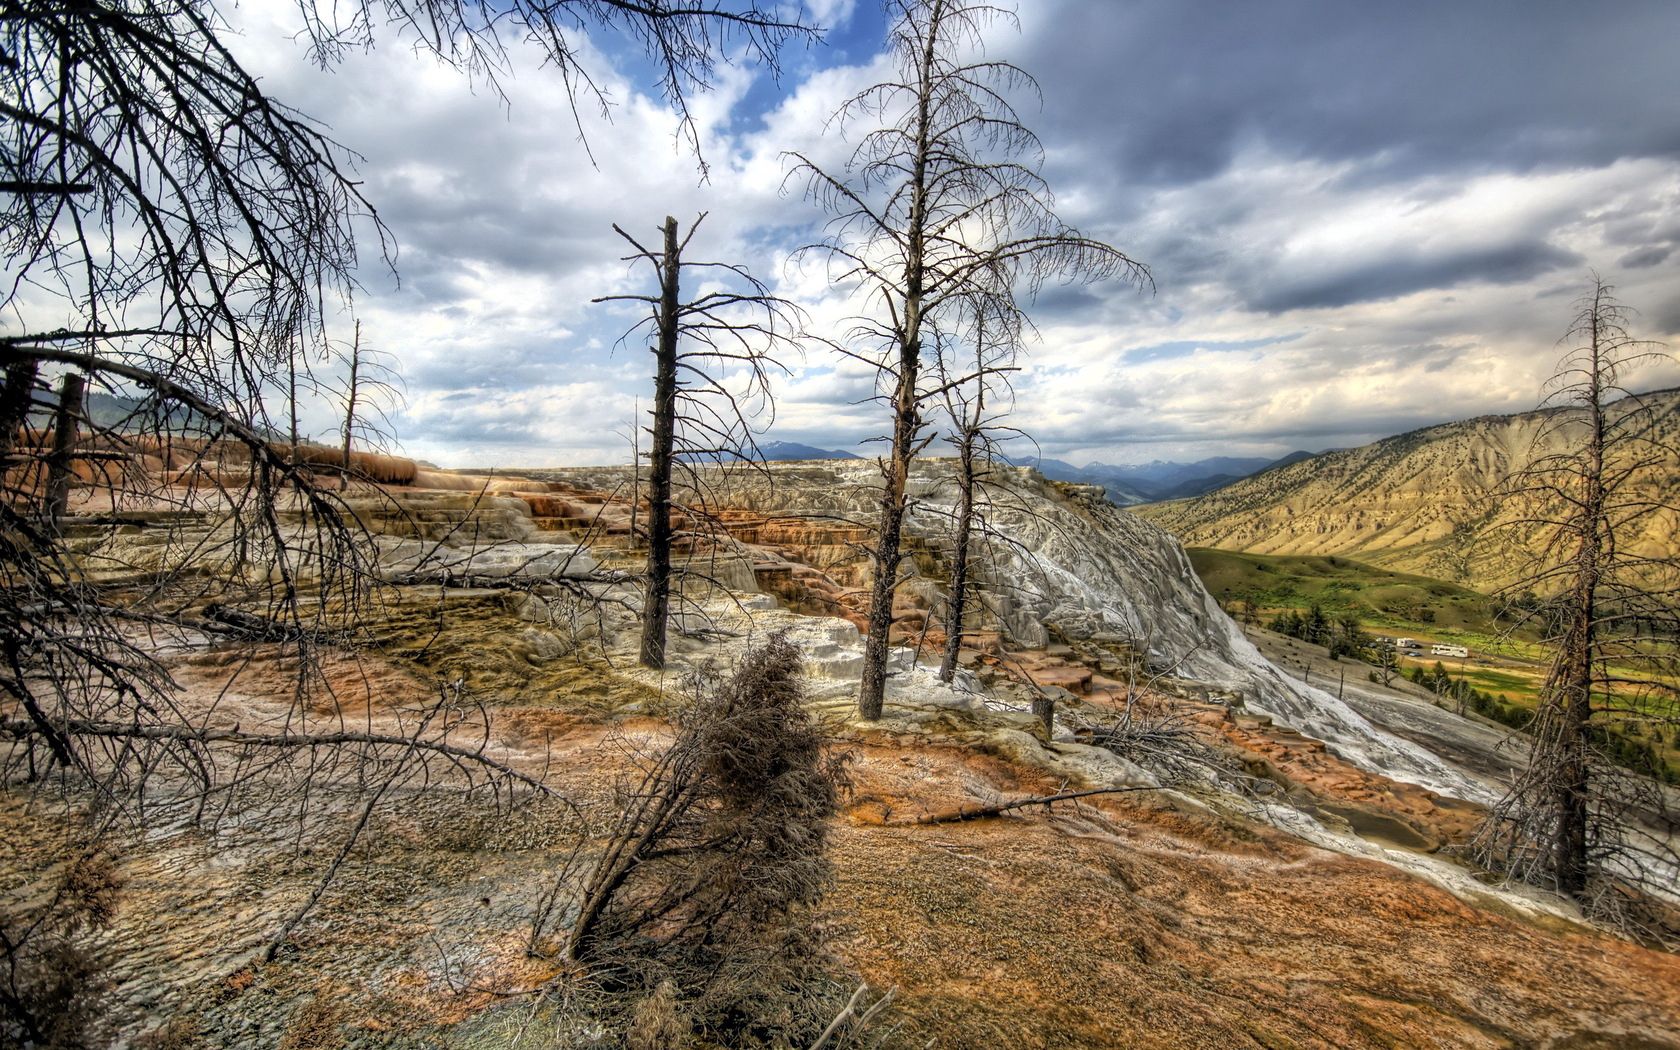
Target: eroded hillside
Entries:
(1418, 502)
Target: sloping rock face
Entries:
(1098, 572)
(1397, 502)
(1066, 564)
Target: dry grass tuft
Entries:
(658, 1022)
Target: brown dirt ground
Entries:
(1137, 924)
(1125, 922)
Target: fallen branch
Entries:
(851, 1017)
(980, 813)
(503, 581)
(19, 728)
(278, 941)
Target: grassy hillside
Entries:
(1383, 600)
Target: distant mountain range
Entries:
(776, 452)
(1397, 502)
(783, 451)
(117, 412)
(1132, 484)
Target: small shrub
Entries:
(181, 1033)
(316, 1024)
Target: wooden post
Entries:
(1044, 708)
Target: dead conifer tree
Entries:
(940, 205)
(1568, 821)
(178, 238)
(718, 855)
(371, 389)
(181, 239)
(67, 420)
(977, 428)
(56, 981)
(683, 42)
(713, 358)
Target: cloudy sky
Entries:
(1360, 218)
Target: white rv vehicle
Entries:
(1449, 650)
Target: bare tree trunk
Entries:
(656, 601)
(1575, 678)
(64, 443)
(636, 476)
(959, 563)
(906, 423)
(1574, 696)
(350, 401)
(688, 339)
(15, 397)
(961, 224)
(292, 401)
(907, 420)
(887, 555)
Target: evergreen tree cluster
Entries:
(1342, 636)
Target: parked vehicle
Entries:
(1408, 643)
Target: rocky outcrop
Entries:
(1064, 565)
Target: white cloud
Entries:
(1392, 295)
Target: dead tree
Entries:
(1591, 487)
(180, 239)
(941, 205)
(372, 388)
(975, 434)
(713, 865)
(701, 413)
(352, 389)
(66, 423)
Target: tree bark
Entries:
(656, 600)
(959, 562)
(1575, 680)
(350, 401)
(15, 396)
(65, 424)
(907, 422)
